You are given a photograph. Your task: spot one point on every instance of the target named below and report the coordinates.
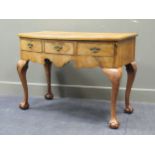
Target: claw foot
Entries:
(48, 96)
(114, 124)
(128, 110)
(24, 106)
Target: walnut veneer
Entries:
(109, 51)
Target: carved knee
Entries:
(131, 68)
(22, 64)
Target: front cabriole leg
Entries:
(114, 75)
(22, 67)
(131, 73)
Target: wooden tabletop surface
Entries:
(78, 35)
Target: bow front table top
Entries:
(109, 51)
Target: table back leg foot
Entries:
(131, 73)
(47, 67)
(22, 67)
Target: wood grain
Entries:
(131, 69)
(78, 36)
(32, 45)
(114, 75)
(102, 49)
(59, 47)
(109, 51)
(48, 67)
(22, 67)
(124, 52)
(61, 60)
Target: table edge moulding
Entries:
(109, 51)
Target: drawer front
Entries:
(96, 49)
(59, 47)
(32, 45)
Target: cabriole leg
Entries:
(131, 73)
(114, 76)
(47, 67)
(22, 67)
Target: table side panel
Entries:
(124, 52)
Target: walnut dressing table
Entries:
(109, 51)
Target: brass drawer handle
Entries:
(95, 49)
(30, 45)
(58, 48)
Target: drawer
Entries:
(96, 49)
(34, 45)
(59, 47)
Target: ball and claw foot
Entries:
(48, 96)
(24, 106)
(114, 124)
(128, 110)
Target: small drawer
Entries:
(96, 49)
(32, 45)
(59, 47)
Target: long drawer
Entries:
(95, 49)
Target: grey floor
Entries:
(68, 116)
